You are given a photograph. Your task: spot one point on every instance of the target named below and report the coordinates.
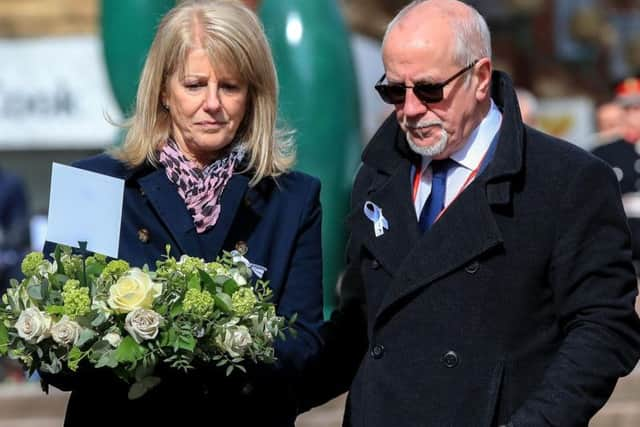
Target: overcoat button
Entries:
(472, 268)
(247, 389)
(375, 264)
(242, 247)
(247, 201)
(450, 359)
(377, 351)
(143, 235)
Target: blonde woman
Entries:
(206, 170)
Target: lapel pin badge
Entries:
(374, 213)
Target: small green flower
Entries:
(31, 262)
(72, 265)
(243, 300)
(188, 265)
(199, 303)
(76, 299)
(96, 259)
(114, 269)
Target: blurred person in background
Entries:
(489, 278)
(623, 155)
(528, 104)
(14, 244)
(206, 170)
(610, 122)
(14, 227)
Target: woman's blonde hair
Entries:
(234, 39)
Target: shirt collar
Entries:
(471, 154)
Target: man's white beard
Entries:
(430, 150)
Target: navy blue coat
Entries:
(280, 222)
(517, 306)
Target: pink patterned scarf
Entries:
(200, 189)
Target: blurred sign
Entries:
(54, 93)
(568, 118)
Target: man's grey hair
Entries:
(473, 39)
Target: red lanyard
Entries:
(418, 177)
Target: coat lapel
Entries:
(172, 211)
(465, 231)
(390, 190)
(213, 240)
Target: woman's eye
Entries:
(194, 85)
(229, 87)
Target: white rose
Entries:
(113, 338)
(132, 291)
(235, 340)
(65, 331)
(142, 324)
(33, 325)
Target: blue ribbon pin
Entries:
(374, 213)
(257, 269)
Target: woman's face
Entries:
(206, 107)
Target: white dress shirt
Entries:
(467, 159)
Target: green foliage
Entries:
(194, 312)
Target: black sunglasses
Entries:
(425, 92)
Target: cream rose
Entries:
(142, 324)
(235, 340)
(33, 325)
(65, 331)
(113, 338)
(133, 290)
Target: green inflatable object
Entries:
(128, 27)
(319, 100)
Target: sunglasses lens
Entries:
(428, 93)
(391, 94)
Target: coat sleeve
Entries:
(344, 335)
(594, 290)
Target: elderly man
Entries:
(489, 279)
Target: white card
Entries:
(85, 206)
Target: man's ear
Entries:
(483, 71)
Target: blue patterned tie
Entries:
(435, 203)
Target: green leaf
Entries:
(187, 342)
(57, 255)
(75, 356)
(85, 335)
(140, 388)
(194, 282)
(4, 338)
(129, 350)
(223, 302)
(207, 281)
(55, 309)
(108, 359)
(230, 286)
(176, 309)
(35, 291)
(99, 320)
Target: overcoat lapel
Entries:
(172, 211)
(438, 253)
(213, 240)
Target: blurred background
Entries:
(69, 67)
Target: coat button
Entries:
(377, 351)
(247, 201)
(375, 264)
(450, 359)
(241, 246)
(247, 389)
(472, 268)
(143, 235)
